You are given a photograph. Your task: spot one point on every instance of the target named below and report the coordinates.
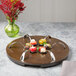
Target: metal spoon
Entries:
(22, 58)
(47, 36)
(23, 54)
(27, 36)
(52, 57)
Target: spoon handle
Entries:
(52, 57)
(25, 36)
(22, 58)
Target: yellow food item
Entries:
(48, 45)
(44, 40)
(41, 41)
(28, 44)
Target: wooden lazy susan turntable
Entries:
(39, 51)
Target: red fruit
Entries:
(33, 43)
(33, 49)
(42, 49)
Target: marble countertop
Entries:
(64, 31)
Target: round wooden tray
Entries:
(60, 51)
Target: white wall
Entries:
(65, 10)
(48, 11)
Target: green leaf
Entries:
(44, 43)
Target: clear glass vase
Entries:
(12, 29)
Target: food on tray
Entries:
(48, 46)
(33, 42)
(32, 49)
(42, 47)
(42, 41)
(42, 50)
(27, 45)
(37, 48)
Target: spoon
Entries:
(47, 36)
(23, 54)
(22, 58)
(27, 36)
(52, 57)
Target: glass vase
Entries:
(12, 29)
